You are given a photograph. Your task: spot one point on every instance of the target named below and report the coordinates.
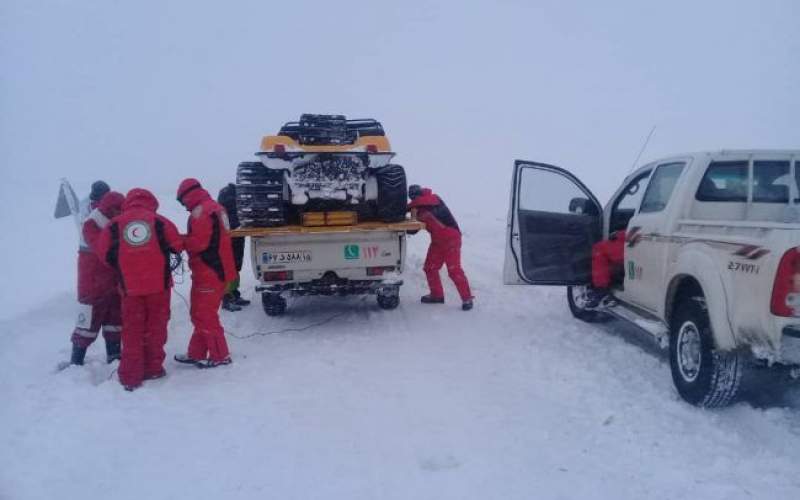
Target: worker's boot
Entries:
(78, 355)
(185, 359)
(113, 351)
(229, 303)
(239, 300)
(594, 297)
(208, 363)
(430, 299)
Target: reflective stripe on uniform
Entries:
(85, 333)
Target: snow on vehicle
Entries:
(353, 259)
(321, 163)
(711, 258)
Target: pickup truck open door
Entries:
(553, 221)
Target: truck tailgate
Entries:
(312, 255)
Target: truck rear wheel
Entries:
(576, 298)
(392, 193)
(388, 302)
(274, 304)
(702, 375)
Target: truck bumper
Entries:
(339, 287)
(790, 345)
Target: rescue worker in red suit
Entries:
(97, 285)
(137, 244)
(608, 258)
(208, 244)
(445, 247)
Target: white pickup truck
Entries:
(711, 258)
(365, 258)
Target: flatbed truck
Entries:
(354, 259)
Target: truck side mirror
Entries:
(582, 206)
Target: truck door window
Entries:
(624, 207)
(724, 181)
(661, 186)
(541, 191)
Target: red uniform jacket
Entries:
(95, 279)
(137, 243)
(438, 219)
(208, 241)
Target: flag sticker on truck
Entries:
(291, 257)
(351, 252)
(635, 271)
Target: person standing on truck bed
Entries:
(137, 244)
(208, 244)
(233, 300)
(445, 247)
(97, 284)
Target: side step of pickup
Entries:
(644, 321)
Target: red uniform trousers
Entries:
(144, 333)
(208, 338)
(102, 312)
(446, 251)
(607, 257)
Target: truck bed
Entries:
(408, 225)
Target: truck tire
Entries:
(388, 302)
(703, 376)
(575, 299)
(260, 196)
(392, 193)
(274, 304)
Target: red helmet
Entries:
(111, 204)
(186, 186)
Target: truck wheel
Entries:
(260, 195)
(388, 301)
(702, 375)
(274, 304)
(576, 298)
(392, 193)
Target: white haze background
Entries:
(515, 399)
(145, 93)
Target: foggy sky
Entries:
(144, 93)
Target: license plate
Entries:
(292, 257)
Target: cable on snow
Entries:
(273, 332)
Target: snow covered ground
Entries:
(514, 399)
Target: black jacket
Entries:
(227, 198)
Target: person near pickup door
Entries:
(137, 244)
(97, 284)
(445, 247)
(233, 300)
(608, 258)
(211, 262)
